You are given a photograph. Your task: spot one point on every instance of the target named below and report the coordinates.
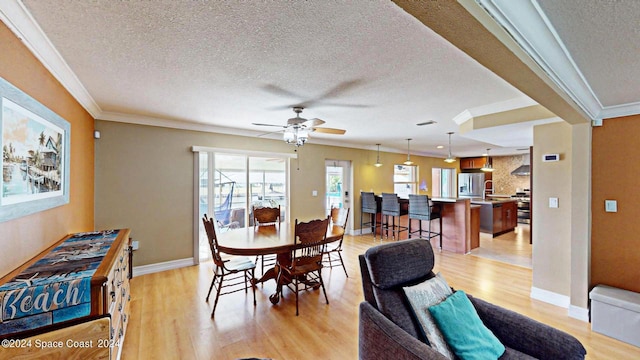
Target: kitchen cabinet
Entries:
(472, 163)
(475, 226)
(497, 217)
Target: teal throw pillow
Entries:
(463, 330)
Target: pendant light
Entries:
(487, 165)
(450, 159)
(378, 163)
(408, 162)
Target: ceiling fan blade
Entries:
(332, 131)
(340, 88)
(313, 122)
(269, 133)
(356, 106)
(274, 89)
(259, 124)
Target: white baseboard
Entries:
(550, 297)
(365, 231)
(579, 313)
(163, 266)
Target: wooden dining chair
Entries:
(227, 272)
(306, 259)
(266, 216)
(333, 251)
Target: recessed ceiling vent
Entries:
(430, 122)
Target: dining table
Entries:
(276, 239)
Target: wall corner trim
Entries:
(550, 297)
(579, 313)
(163, 266)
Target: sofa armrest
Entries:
(527, 335)
(379, 339)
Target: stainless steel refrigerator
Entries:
(470, 185)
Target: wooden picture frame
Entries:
(35, 143)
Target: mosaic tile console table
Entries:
(81, 279)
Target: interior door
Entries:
(338, 185)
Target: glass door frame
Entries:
(197, 150)
(347, 186)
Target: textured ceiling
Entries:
(364, 66)
(603, 39)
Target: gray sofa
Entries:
(389, 330)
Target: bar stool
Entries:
(420, 208)
(391, 207)
(369, 206)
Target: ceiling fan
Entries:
(297, 130)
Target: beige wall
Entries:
(23, 238)
(580, 215)
(561, 236)
(552, 227)
(144, 181)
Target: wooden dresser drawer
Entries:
(91, 282)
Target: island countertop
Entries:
(481, 201)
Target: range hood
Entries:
(523, 170)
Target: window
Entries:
(443, 182)
(405, 180)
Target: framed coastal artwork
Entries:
(35, 155)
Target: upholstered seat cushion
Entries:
(390, 269)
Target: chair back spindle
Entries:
(210, 229)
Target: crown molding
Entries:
(498, 107)
(531, 29)
(620, 110)
(16, 16)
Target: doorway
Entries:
(230, 184)
(338, 186)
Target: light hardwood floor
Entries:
(171, 320)
(512, 247)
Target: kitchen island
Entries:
(460, 223)
(497, 215)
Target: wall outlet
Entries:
(314, 193)
(610, 206)
(135, 245)
(553, 202)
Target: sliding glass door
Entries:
(230, 184)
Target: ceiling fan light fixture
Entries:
(303, 134)
(297, 129)
(408, 162)
(289, 136)
(450, 159)
(378, 163)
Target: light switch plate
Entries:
(610, 206)
(314, 193)
(553, 202)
